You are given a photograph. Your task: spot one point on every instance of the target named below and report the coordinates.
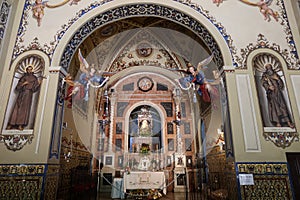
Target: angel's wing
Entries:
(180, 70)
(204, 62)
(84, 65)
(249, 3)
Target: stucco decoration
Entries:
(290, 57)
(34, 45)
(146, 10)
(22, 105)
(4, 13)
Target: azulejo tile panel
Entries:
(21, 181)
(271, 181)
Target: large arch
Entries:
(197, 21)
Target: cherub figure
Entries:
(264, 8)
(38, 10)
(217, 2)
(74, 2)
(196, 78)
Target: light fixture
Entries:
(221, 140)
(68, 154)
(105, 116)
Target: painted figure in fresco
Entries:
(38, 10)
(278, 110)
(263, 6)
(27, 85)
(197, 78)
(218, 2)
(74, 2)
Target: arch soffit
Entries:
(70, 41)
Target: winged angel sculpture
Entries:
(263, 6)
(196, 79)
(89, 77)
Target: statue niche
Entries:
(145, 122)
(145, 139)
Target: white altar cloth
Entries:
(144, 180)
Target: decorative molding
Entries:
(21, 170)
(4, 10)
(15, 140)
(282, 139)
(142, 10)
(262, 42)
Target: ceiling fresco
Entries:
(130, 32)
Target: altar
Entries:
(144, 180)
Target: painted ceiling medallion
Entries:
(145, 84)
(144, 49)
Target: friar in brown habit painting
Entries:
(27, 85)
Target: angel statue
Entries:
(196, 78)
(263, 6)
(89, 77)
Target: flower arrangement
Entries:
(154, 194)
(141, 194)
(145, 148)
